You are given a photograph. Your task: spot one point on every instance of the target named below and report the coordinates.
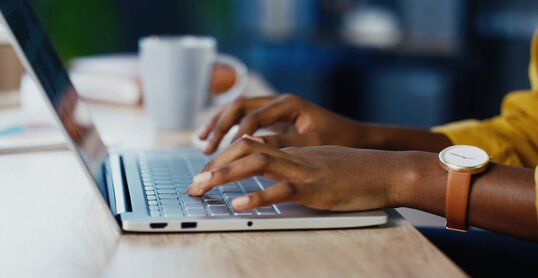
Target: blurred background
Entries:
(413, 62)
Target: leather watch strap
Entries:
(457, 198)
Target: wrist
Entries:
(418, 182)
(369, 136)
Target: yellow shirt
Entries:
(512, 137)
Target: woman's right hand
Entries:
(305, 124)
(332, 178)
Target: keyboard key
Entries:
(231, 196)
(186, 178)
(248, 212)
(250, 185)
(213, 191)
(166, 191)
(193, 205)
(148, 187)
(168, 196)
(196, 212)
(170, 206)
(213, 197)
(158, 164)
(153, 207)
(265, 211)
(265, 182)
(152, 203)
(155, 213)
(162, 180)
(182, 186)
(215, 202)
(231, 187)
(189, 199)
(151, 198)
(161, 170)
(165, 186)
(170, 201)
(219, 210)
(177, 213)
(150, 193)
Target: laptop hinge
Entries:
(119, 185)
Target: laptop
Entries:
(145, 191)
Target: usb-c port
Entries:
(188, 225)
(158, 225)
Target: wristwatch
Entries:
(461, 162)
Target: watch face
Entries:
(461, 157)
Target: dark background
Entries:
(457, 58)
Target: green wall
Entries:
(80, 27)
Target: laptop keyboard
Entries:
(166, 177)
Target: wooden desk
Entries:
(50, 226)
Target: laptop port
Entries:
(158, 225)
(188, 225)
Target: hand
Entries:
(305, 123)
(346, 179)
(326, 177)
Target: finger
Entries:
(282, 109)
(278, 193)
(258, 164)
(205, 132)
(239, 149)
(229, 117)
(225, 121)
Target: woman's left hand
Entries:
(325, 177)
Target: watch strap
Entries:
(457, 199)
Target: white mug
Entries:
(176, 76)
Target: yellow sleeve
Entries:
(512, 137)
(533, 66)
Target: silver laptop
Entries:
(146, 190)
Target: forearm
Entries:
(502, 199)
(403, 138)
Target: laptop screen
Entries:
(52, 78)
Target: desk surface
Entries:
(50, 226)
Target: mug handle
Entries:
(241, 80)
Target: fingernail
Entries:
(240, 201)
(192, 190)
(257, 139)
(202, 177)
